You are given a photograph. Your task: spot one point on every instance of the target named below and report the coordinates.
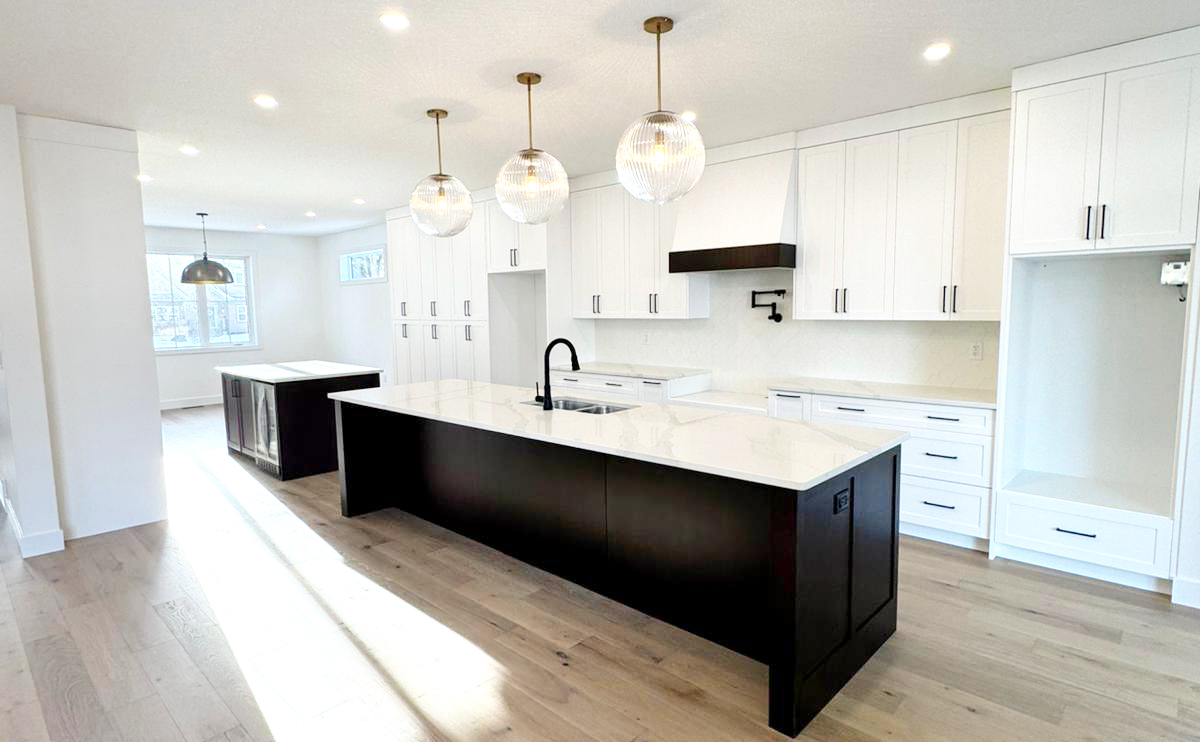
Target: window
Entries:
(366, 265)
(187, 316)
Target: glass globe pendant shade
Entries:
(660, 157)
(441, 205)
(532, 186)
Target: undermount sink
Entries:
(582, 405)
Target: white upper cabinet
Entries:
(611, 276)
(822, 197)
(979, 211)
(868, 243)
(460, 277)
(404, 268)
(1056, 166)
(1150, 155)
(513, 247)
(925, 222)
(477, 308)
(585, 252)
(643, 256)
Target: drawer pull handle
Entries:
(574, 380)
(939, 505)
(945, 419)
(852, 409)
(1076, 533)
(789, 396)
(654, 383)
(941, 456)
(612, 383)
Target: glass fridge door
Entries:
(266, 443)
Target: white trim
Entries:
(32, 544)
(205, 349)
(1083, 569)
(76, 133)
(177, 404)
(944, 537)
(1185, 592)
(924, 114)
(1171, 45)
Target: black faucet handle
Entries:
(537, 393)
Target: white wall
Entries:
(356, 316)
(84, 212)
(745, 351)
(26, 464)
(286, 304)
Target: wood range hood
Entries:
(740, 216)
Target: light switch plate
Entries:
(975, 351)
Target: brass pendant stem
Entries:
(437, 122)
(529, 104)
(658, 64)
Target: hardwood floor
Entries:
(257, 612)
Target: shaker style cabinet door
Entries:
(611, 263)
(479, 264)
(822, 193)
(402, 346)
(925, 222)
(980, 198)
(585, 257)
(642, 255)
(414, 298)
(1150, 156)
(1056, 166)
(502, 238)
(460, 274)
(868, 245)
(397, 268)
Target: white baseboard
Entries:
(176, 404)
(1185, 592)
(945, 537)
(30, 544)
(1083, 569)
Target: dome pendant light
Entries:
(205, 271)
(440, 204)
(661, 155)
(532, 186)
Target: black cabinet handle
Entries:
(403, 309)
(404, 331)
(938, 505)
(598, 303)
(433, 309)
(852, 409)
(941, 456)
(943, 299)
(947, 419)
(1103, 218)
(656, 303)
(612, 383)
(650, 303)
(1076, 533)
(467, 333)
(516, 257)
(466, 307)
(433, 331)
(845, 293)
(789, 396)
(574, 380)
(954, 300)
(653, 383)
(836, 296)
(1087, 224)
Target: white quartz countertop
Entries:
(658, 373)
(731, 400)
(948, 395)
(277, 373)
(739, 445)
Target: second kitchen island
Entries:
(776, 539)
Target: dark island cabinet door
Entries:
(229, 397)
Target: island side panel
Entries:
(305, 418)
(834, 580)
(376, 459)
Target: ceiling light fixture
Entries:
(310, 213)
(359, 201)
(143, 178)
(688, 116)
(937, 52)
(205, 271)
(394, 21)
(532, 186)
(661, 155)
(440, 204)
(262, 100)
(261, 226)
(189, 150)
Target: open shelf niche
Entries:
(1092, 379)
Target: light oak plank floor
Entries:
(257, 612)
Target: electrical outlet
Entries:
(975, 351)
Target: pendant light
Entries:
(661, 155)
(204, 271)
(440, 204)
(532, 186)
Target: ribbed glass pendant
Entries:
(440, 204)
(532, 186)
(661, 155)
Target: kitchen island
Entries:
(776, 539)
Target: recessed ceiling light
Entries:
(262, 100)
(143, 178)
(688, 116)
(394, 21)
(937, 52)
(189, 150)
(262, 226)
(360, 201)
(310, 213)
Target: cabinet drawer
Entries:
(1135, 542)
(903, 415)
(652, 391)
(590, 383)
(790, 405)
(966, 459)
(950, 507)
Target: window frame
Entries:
(383, 254)
(206, 346)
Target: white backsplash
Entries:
(745, 351)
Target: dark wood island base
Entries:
(804, 581)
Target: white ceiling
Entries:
(351, 120)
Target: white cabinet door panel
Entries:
(868, 245)
(1150, 161)
(416, 351)
(397, 268)
(414, 295)
(979, 210)
(1056, 166)
(460, 281)
(790, 406)
(427, 248)
(402, 353)
(822, 192)
(432, 354)
(676, 295)
(944, 505)
(925, 222)
(482, 352)
(464, 352)
(502, 238)
(444, 275)
(478, 307)
(642, 255)
(611, 259)
(585, 245)
(531, 247)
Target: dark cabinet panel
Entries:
(823, 551)
(233, 425)
(873, 564)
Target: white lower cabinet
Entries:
(790, 405)
(946, 506)
(428, 351)
(472, 352)
(607, 387)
